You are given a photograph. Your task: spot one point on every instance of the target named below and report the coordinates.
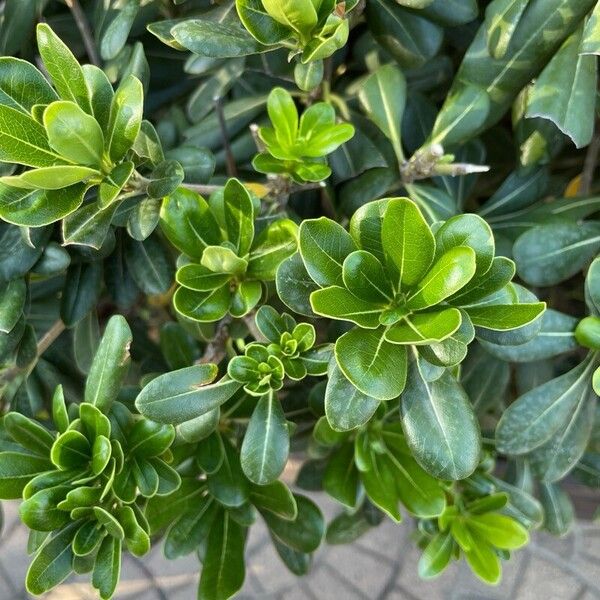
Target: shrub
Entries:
(361, 232)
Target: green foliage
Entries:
(297, 147)
(394, 173)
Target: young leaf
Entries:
(22, 86)
(63, 68)
(407, 241)
(74, 134)
(125, 117)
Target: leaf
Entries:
(107, 567)
(558, 509)
(383, 97)
(590, 44)
(204, 307)
(449, 273)
(294, 285)
(555, 337)
(501, 20)
(51, 178)
(504, 317)
(338, 303)
(440, 426)
(465, 111)
(271, 247)
(407, 241)
(364, 357)
(72, 133)
(499, 81)
(165, 179)
(187, 222)
(150, 265)
(283, 115)
(275, 497)
(535, 416)
(437, 556)
(365, 277)
(64, 70)
(379, 481)
(305, 532)
(101, 93)
(126, 112)
(340, 480)
(299, 15)
(217, 40)
(52, 563)
(81, 291)
(406, 35)
(565, 91)
(425, 328)
(550, 253)
(257, 21)
(345, 406)
(239, 216)
(16, 470)
(467, 230)
(324, 244)
(23, 140)
(12, 302)
(184, 394)
(36, 208)
(110, 364)
(266, 443)
(22, 86)
(228, 484)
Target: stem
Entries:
(589, 166)
(215, 351)
(85, 31)
(45, 342)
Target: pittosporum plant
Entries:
(357, 238)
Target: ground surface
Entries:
(381, 565)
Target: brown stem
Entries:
(85, 31)
(589, 166)
(45, 342)
(215, 350)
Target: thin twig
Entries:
(231, 166)
(201, 188)
(85, 31)
(589, 166)
(45, 342)
(215, 350)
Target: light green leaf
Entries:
(284, 116)
(126, 112)
(22, 86)
(324, 245)
(407, 241)
(23, 140)
(338, 303)
(63, 68)
(450, 273)
(425, 328)
(74, 134)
